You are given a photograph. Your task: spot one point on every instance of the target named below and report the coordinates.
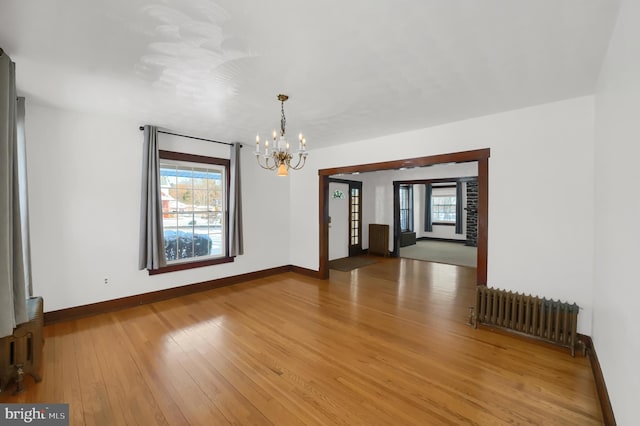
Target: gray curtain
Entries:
(13, 262)
(428, 221)
(236, 246)
(459, 208)
(151, 254)
(23, 195)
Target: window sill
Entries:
(190, 265)
(444, 223)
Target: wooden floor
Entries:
(384, 344)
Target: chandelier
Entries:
(279, 155)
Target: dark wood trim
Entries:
(483, 219)
(443, 186)
(304, 271)
(76, 312)
(347, 181)
(443, 224)
(190, 265)
(396, 220)
(479, 155)
(455, 157)
(446, 240)
(441, 180)
(323, 226)
(193, 158)
(601, 388)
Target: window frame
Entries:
(355, 215)
(443, 222)
(409, 209)
(192, 264)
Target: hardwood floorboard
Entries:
(387, 343)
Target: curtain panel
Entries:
(23, 195)
(14, 263)
(151, 251)
(459, 207)
(236, 245)
(428, 220)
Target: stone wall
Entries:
(472, 214)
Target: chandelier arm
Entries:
(301, 158)
(266, 166)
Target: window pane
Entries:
(214, 219)
(443, 208)
(406, 208)
(193, 205)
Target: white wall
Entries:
(84, 195)
(616, 329)
(540, 232)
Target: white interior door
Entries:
(338, 221)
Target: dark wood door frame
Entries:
(353, 251)
(479, 155)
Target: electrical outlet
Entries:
(106, 280)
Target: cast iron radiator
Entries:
(21, 353)
(544, 319)
(407, 239)
(379, 239)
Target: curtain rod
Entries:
(192, 137)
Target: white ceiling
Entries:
(353, 69)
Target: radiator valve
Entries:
(19, 378)
(472, 316)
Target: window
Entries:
(406, 208)
(443, 209)
(194, 209)
(355, 216)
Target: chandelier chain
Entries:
(283, 119)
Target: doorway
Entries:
(480, 155)
(445, 216)
(345, 218)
